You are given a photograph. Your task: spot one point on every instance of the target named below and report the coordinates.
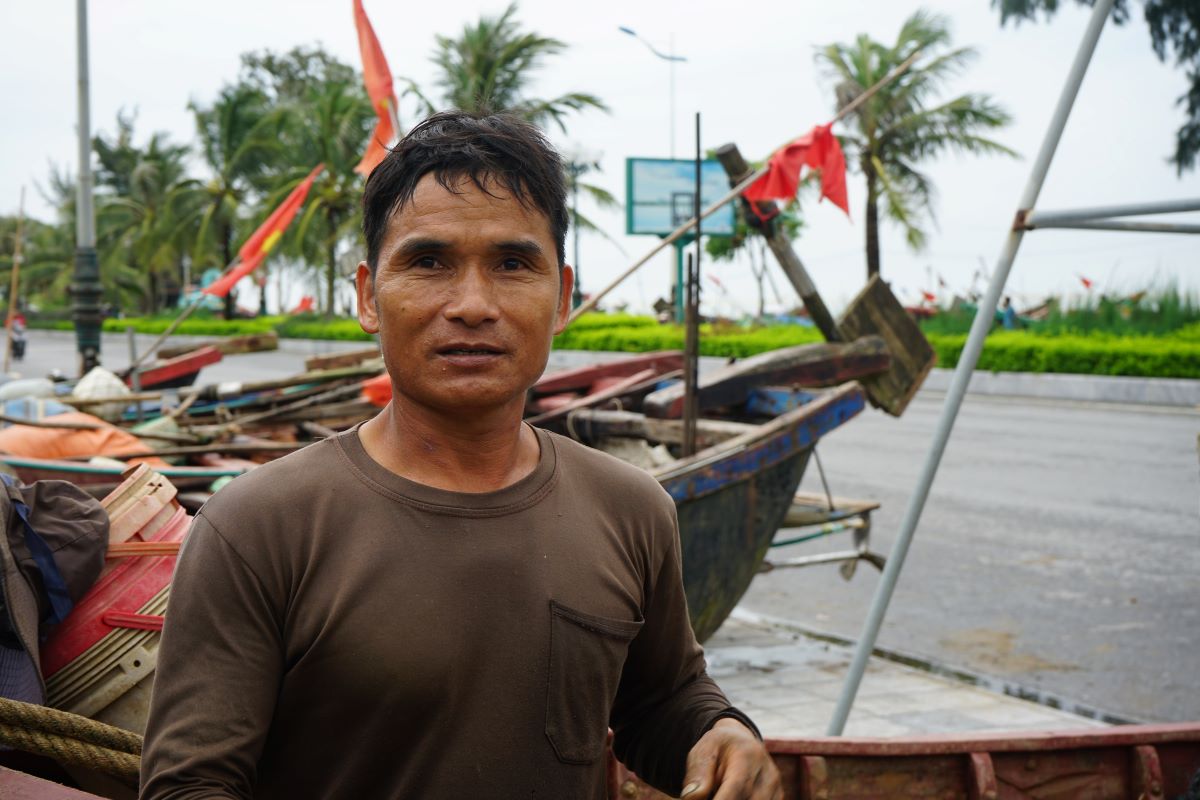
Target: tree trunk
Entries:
(227, 255)
(872, 217)
(331, 267)
(330, 278)
(262, 295)
(152, 292)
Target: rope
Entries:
(71, 739)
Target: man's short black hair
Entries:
(498, 148)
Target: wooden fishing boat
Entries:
(107, 476)
(732, 496)
(1133, 762)
(171, 373)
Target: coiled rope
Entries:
(71, 739)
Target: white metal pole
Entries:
(966, 365)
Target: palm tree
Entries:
(329, 127)
(897, 129)
(146, 207)
(489, 67)
(239, 142)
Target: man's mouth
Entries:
(475, 350)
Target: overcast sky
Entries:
(752, 77)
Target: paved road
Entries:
(1060, 547)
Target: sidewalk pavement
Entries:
(789, 684)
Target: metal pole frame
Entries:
(966, 365)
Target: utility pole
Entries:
(85, 289)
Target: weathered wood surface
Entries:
(1128, 762)
(732, 497)
(877, 311)
(625, 392)
(581, 378)
(336, 360)
(233, 345)
(810, 365)
(593, 424)
(178, 371)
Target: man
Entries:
(444, 602)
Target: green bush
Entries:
(1017, 351)
(311, 326)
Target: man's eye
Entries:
(426, 262)
(512, 264)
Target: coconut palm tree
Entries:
(905, 124)
(146, 208)
(328, 128)
(240, 144)
(490, 65)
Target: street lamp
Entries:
(579, 162)
(670, 58)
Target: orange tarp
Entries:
(29, 442)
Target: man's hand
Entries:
(730, 763)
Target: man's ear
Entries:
(566, 286)
(364, 288)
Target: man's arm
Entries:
(666, 702)
(219, 668)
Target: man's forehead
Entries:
(439, 198)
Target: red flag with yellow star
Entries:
(255, 249)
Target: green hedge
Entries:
(1139, 356)
(1174, 356)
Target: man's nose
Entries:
(474, 298)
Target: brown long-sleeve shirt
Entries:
(337, 631)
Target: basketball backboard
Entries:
(660, 195)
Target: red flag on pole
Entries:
(377, 146)
(1086, 283)
(255, 249)
(818, 149)
(378, 79)
(376, 74)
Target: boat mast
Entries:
(85, 289)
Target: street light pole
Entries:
(85, 289)
(671, 58)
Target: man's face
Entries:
(466, 297)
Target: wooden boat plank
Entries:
(1126, 762)
(171, 371)
(591, 424)
(875, 310)
(822, 364)
(233, 345)
(581, 378)
(336, 360)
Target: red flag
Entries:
(378, 79)
(930, 297)
(1086, 283)
(818, 149)
(376, 74)
(305, 305)
(255, 249)
(377, 146)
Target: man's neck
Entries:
(469, 453)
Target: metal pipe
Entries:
(85, 288)
(85, 213)
(1042, 219)
(962, 374)
(1116, 225)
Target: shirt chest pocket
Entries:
(587, 654)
